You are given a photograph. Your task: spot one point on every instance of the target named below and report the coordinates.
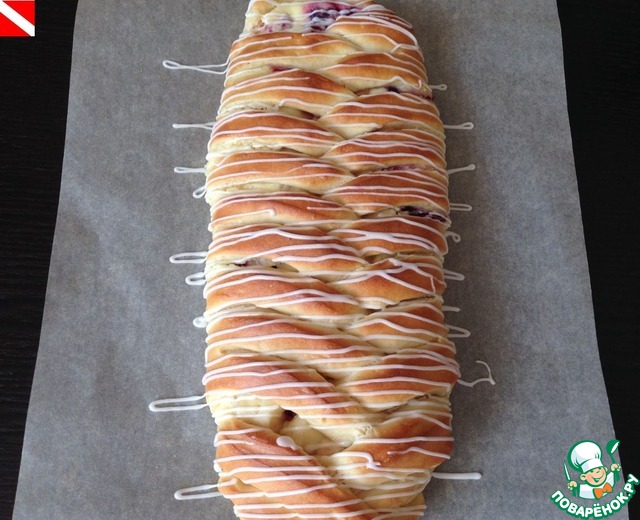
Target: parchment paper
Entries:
(117, 331)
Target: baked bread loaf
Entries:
(328, 365)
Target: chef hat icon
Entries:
(585, 456)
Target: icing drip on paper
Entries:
(488, 379)
(457, 476)
(178, 404)
(463, 126)
(189, 258)
(468, 168)
(460, 207)
(183, 169)
(203, 126)
(209, 69)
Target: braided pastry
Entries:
(328, 365)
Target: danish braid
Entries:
(328, 365)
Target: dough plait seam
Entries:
(328, 363)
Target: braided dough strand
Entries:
(328, 365)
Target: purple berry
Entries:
(422, 212)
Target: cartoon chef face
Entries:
(586, 457)
(595, 477)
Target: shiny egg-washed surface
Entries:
(328, 365)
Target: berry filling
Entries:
(422, 212)
(323, 14)
(281, 24)
(315, 17)
(402, 167)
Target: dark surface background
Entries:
(602, 61)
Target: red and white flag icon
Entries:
(17, 18)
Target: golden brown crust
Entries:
(407, 325)
(296, 494)
(273, 171)
(379, 31)
(305, 250)
(277, 207)
(293, 340)
(391, 281)
(328, 367)
(368, 71)
(397, 234)
(282, 291)
(250, 130)
(373, 112)
(292, 88)
(249, 56)
(382, 190)
(409, 148)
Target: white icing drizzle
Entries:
(267, 213)
(267, 469)
(276, 82)
(415, 449)
(401, 512)
(242, 431)
(279, 386)
(231, 341)
(396, 379)
(287, 442)
(397, 238)
(195, 279)
(458, 332)
(200, 322)
(463, 126)
(197, 492)
(468, 168)
(393, 189)
(204, 126)
(368, 113)
(387, 486)
(379, 20)
(414, 77)
(453, 236)
(442, 87)
(211, 375)
(197, 257)
(400, 415)
(456, 476)
(209, 69)
(404, 440)
(488, 379)
(458, 206)
(390, 275)
(452, 275)
(200, 192)
(283, 299)
(286, 478)
(233, 443)
(314, 242)
(184, 169)
(176, 404)
(255, 456)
